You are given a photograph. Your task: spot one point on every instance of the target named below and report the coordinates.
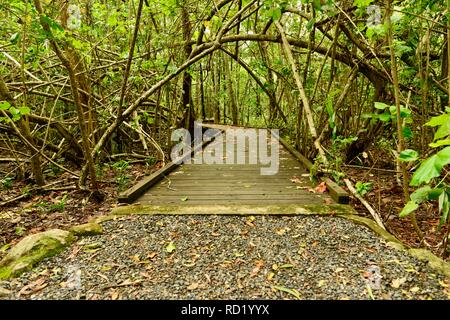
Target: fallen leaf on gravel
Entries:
(293, 292)
(414, 289)
(170, 247)
(193, 286)
(114, 295)
(152, 255)
(215, 234)
(339, 270)
(369, 291)
(106, 268)
(286, 266)
(33, 287)
(257, 268)
(274, 267)
(396, 283)
(76, 249)
(321, 188)
(103, 276)
(321, 283)
(270, 276)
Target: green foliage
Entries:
(362, 188)
(58, 206)
(122, 178)
(409, 155)
(15, 113)
(7, 183)
(19, 231)
(430, 169)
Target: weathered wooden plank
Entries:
(336, 192)
(258, 202)
(235, 197)
(231, 193)
(142, 186)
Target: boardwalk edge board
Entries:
(333, 210)
(337, 193)
(142, 186)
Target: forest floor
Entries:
(61, 209)
(386, 197)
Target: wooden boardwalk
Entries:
(236, 184)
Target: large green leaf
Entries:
(440, 143)
(438, 121)
(431, 168)
(443, 131)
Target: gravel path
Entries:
(227, 257)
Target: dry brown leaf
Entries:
(114, 295)
(76, 249)
(257, 268)
(396, 283)
(193, 286)
(33, 287)
(296, 179)
(321, 188)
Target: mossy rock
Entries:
(33, 249)
(87, 229)
(434, 262)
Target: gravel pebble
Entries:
(230, 257)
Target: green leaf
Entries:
(381, 106)
(170, 247)
(438, 121)
(443, 131)
(14, 38)
(385, 117)
(293, 292)
(24, 110)
(431, 168)
(286, 266)
(435, 194)
(420, 195)
(444, 208)
(407, 133)
(409, 155)
(440, 143)
(4, 105)
(410, 207)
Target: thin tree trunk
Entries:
(298, 81)
(401, 140)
